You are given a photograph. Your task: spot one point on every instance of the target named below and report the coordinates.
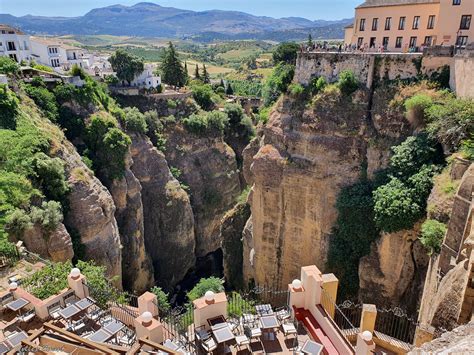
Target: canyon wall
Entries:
(307, 152)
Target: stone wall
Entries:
(462, 78)
(367, 66)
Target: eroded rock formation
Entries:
(168, 217)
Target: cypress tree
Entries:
(172, 70)
(196, 73)
(229, 90)
(205, 75)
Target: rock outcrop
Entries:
(55, 245)
(136, 264)
(167, 214)
(448, 295)
(393, 272)
(233, 224)
(209, 167)
(307, 153)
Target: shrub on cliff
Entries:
(202, 94)
(451, 120)
(286, 52)
(49, 215)
(44, 99)
(162, 297)
(318, 84)
(8, 66)
(49, 174)
(277, 83)
(347, 82)
(8, 108)
(296, 90)
(210, 284)
(134, 120)
(416, 105)
(432, 234)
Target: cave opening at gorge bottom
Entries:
(209, 265)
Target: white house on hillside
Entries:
(14, 43)
(147, 79)
(56, 54)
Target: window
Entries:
(416, 22)
(428, 41)
(412, 42)
(25, 45)
(401, 23)
(456, 2)
(372, 42)
(375, 24)
(465, 22)
(461, 41)
(11, 46)
(385, 42)
(13, 56)
(398, 42)
(388, 23)
(52, 50)
(431, 22)
(55, 62)
(362, 24)
(360, 41)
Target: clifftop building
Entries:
(14, 43)
(408, 25)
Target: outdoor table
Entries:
(17, 304)
(223, 335)
(311, 347)
(84, 303)
(16, 339)
(216, 320)
(269, 323)
(264, 309)
(69, 311)
(100, 336)
(114, 327)
(4, 348)
(170, 345)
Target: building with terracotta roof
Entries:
(14, 43)
(410, 25)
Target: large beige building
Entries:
(408, 25)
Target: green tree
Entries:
(50, 175)
(205, 75)
(213, 284)
(347, 82)
(172, 71)
(432, 234)
(49, 215)
(134, 120)
(310, 42)
(197, 76)
(286, 52)
(202, 94)
(8, 66)
(229, 90)
(126, 65)
(44, 98)
(162, 297)
(9, 108)
(278, 82)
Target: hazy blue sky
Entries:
(312, 9)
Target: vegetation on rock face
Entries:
(8, 66)
(162, 297)
(402, 201)
(347, 82)
(43, 98)
(214, 121)
(8, 108)
(126, 65)
(432, 234)
(203, 96)
(134, 120)
(210, 284)
(277, 83)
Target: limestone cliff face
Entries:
(209, 167)
(55, 245)
(448, 294)
(393, 272)
(136, 264)
(91, 211)
(307, 153)
(233, 224)
(167, 215)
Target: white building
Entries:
(14, 43)
(61, 56)
(147, 79)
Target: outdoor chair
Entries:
(202, 334)
(233, 325)
(242, 340)
(289, 329)
(283, 314)
(27, 317)
(249, 319)
(253, 333)
(209, 345)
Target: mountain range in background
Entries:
(152, 20)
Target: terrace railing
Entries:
(395, 323)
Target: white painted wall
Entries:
(20, 42)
